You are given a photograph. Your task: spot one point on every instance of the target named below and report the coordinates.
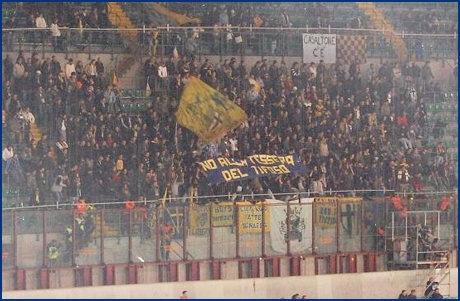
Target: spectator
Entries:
(7, 153)
(437, 294)
(303, 106)
(56, 35)
(100, 70)
(412, 295)
(426, 74)
(11, 34)
(57, 187)
(403, 295)
(184, 295)
(40, 23)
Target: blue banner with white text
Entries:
(223, 169)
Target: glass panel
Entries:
(116, 244)
(374, 224)
(198, 238)
(8, 251)
(251, 226)
(88, 250)
(58, 246)
(224, 230)
(30, 239)
(325, 225)
(144, 234)
(350, 226)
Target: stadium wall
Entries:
(382, 285)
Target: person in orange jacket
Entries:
(81, 206)
(166, 232)
(129, 206)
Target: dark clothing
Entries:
(436, 295)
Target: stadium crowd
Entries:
(353, 130)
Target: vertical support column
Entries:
(157, 234)
(288, 232)
(101, 227)
(44, 272)
(362, 231)
(185, 214)
(337, 229)
(211, 239)
(130, 234)
(45, 251)
(74, 240)
(313, 230)
(237, 230)
(20, 273)
(263, 229)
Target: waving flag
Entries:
(206, 112)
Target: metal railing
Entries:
(256, 41)
(334, 224)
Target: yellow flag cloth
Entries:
(206, 112)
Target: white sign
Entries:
(318, 47)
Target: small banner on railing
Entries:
(252, 219)
(326, 212)
(293, 225)
(327, 207)
(222, 215)
(199, 220)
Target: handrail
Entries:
(233, 28)
(228, 197)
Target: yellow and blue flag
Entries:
(206, 112)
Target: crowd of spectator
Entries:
(415, 22)
(353, 130)
(55, 18)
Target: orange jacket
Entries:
(445, 202)
(129, 205)
(81, 206)
(396, 200)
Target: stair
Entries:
(378, 20)
(107, 230)
(35, 133)
(439, 270)
(119, 18)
